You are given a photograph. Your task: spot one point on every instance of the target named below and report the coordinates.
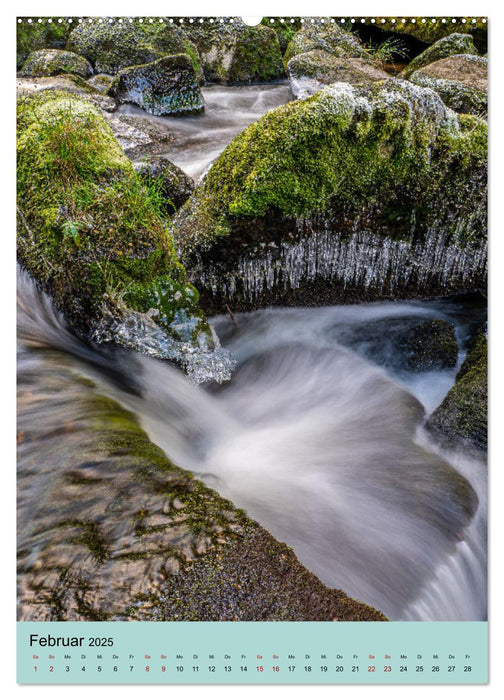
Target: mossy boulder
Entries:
(461, 82)
(462, 417)
(41, 33)
(310, 71)
(236, 53)
(73, 84)
(47, 62)
(432, 29)
(113, 46)
(331, 39)
(367, 192)
(90, 233)
(447, 46)
(166, 180)
(166, 86)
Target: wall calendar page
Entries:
(252, 350)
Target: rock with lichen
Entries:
(232, 52)
(92, 235)
(47, 62)
(166, 86)
(461, 419)
(461, 81)
(447, 46)
(167, 180)
(355, 193)
(111, 46)
(308, 72)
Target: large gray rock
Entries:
(166, 86)
(47, 62)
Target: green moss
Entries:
(347, 150)
(284, 30)
(88, 226)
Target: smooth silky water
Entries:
(198, 140)
(318, 435)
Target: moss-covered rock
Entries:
(122, 533)
(310, 71)
(358, 189)
(166, 180)
(331, 39)
(113, 46)
(461, 419)
(236, 53)
(73, 84)
(90, 233)
(447, 46)
(46, 62)
(460, 81)
(432, 29)
(41, 33)
(166, 86)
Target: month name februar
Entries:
(50, 641)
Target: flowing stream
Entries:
(198, 140)
(318, 435)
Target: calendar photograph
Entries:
(252, 335)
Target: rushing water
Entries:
(317, 435)
(198, 140)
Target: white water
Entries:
(317, 436)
